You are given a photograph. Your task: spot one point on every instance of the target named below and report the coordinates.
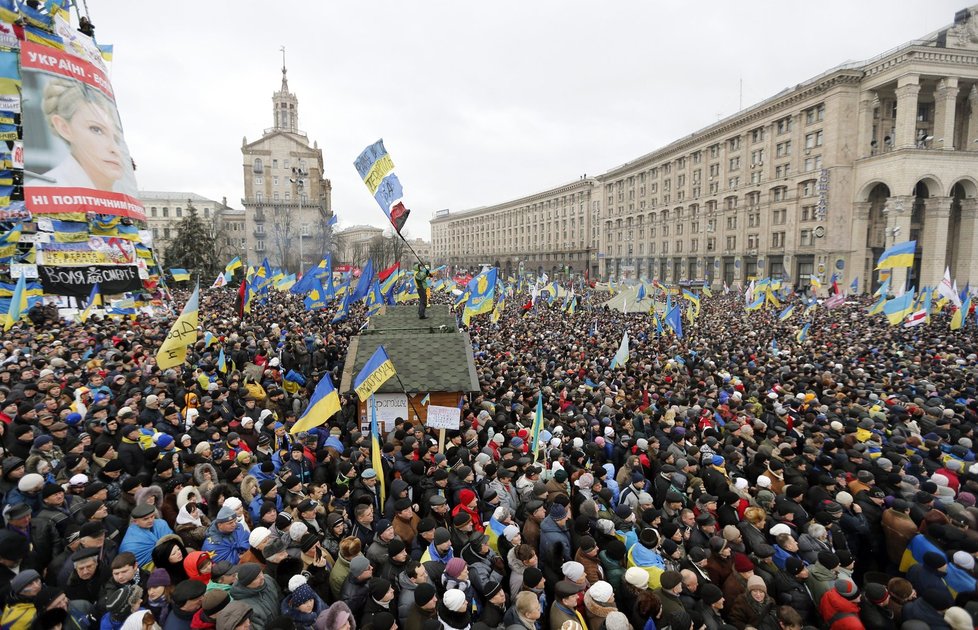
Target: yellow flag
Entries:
(173, 352)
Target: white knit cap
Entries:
(232, 502)
(454, 599)
(601, 591)
(257, 535)
(763, 482)
(639, 578)
(297, 531)
(572, 570)
(296, 581)
(844, 498)
(510, 532)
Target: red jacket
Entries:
(844, 612)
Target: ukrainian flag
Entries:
(537, 427)
(18, 304)
(786, 313)
(482, 291)
(179, 275)
(694, 300)
(234, 264)
(94, 299)
(106, 51)
(70, 231)
(803, 333)
(375, 460)
(222, 362)
(900, 255)
(375, 299)
(375, 373)
(961, 315)
(324, 403)
(173, 352)
(898, 308)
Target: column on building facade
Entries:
(937, 212)
(966, 264)
(908, 87)
(864, 125)
(972, 136)
(945, 100)
(898, 212)
(860, 231)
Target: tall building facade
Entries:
(287, 195)
(165, 210)
(815, 181)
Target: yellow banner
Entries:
(78, 258)
(378, 172)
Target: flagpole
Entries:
(410, 402)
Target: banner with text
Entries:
(75, 157)
(78, 281)
(97, 250)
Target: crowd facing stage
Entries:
(737, 475)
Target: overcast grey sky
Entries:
(477, 102)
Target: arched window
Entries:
(259, 166)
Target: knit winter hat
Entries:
(639, 578)
(159, 577)
(847, 588)
(454, 600)
(601, 592)
(455, 567)
(572, 570)
(301, 595)
(379, 587)
(258, 535)
(756, 583)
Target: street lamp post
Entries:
(298, 178)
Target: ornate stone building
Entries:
(165, 210)
(287, 196)
(816, 180)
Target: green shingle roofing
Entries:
(426, 357)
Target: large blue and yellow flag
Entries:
(900, 255)
(234, 264)
(786, 313)
(898, 308)
(182, 334)
(377, 371)
(179, 275)
(324, 403)
(9, 240)
(802, 333)
(961, 315)
(316, 298)
(375, 299)
(18, 304)
(376, 168)
(694, 300)
(363, 284)
(222, 362)
(674, 320)
(482, 291)
(537, 427)
(375, 459)
(94, 299)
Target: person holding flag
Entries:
(421, 275)
(376, 371)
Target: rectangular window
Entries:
(755, 177)
(697, 157)
(715, 151)
(732, 222)
(815, 114)
(665, 247)
(733, 183)
(733, 144)
(754, 219)
(711, 244)
(752, 241)
(777, 240)
(714, 188)
(757, 135)
(694, 245)
(714, 170)
(731, 243)
(783, 149)
(733, 164)
(274, 163)
(258, 180)
(807, 238)
(275, 180)
(166, 233)
(784, 125)
(808, 189)
(152, 211)
(782, 170)
(779, 216)
(166, 212)
(756, 157)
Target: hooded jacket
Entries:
(263, 601)
(839, 613)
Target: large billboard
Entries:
(75, 157)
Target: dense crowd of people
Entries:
(732, 478)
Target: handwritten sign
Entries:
(28, 271)
(78, 281)
(444, 417)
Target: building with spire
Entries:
(287, 195)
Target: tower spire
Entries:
(285, 79)
(285, 105)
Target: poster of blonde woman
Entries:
(75, 157)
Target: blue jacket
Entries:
(223, 546)
(257, 502)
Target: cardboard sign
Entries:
(444, 417)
